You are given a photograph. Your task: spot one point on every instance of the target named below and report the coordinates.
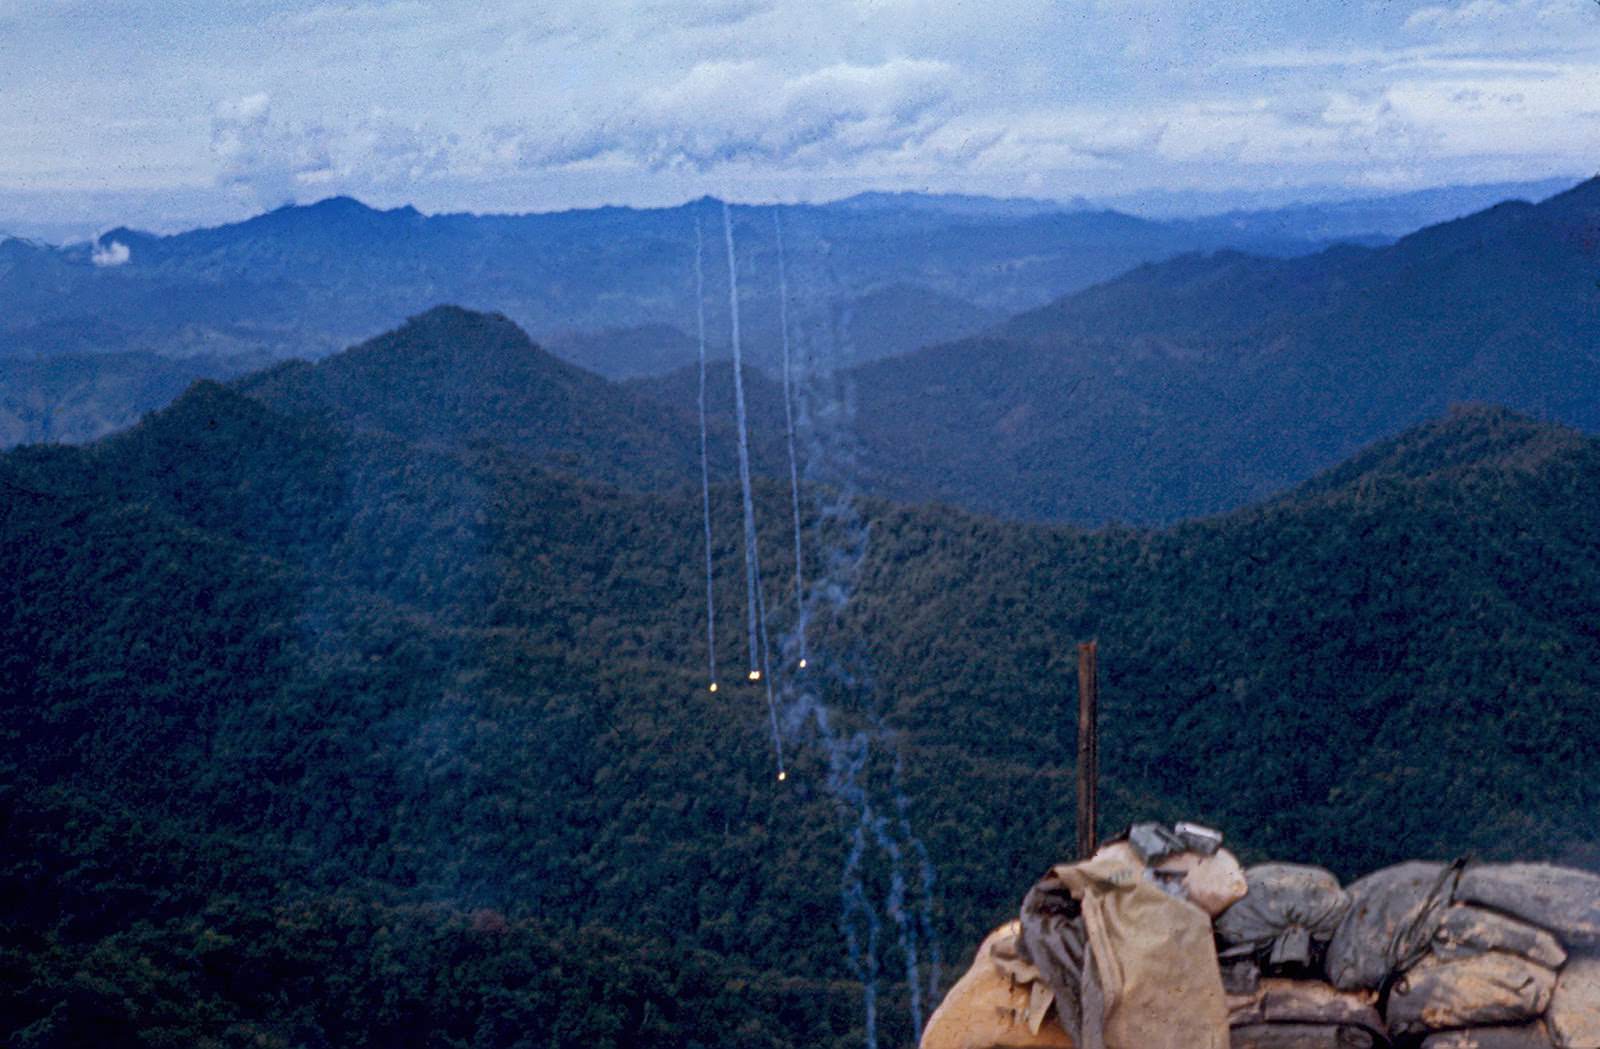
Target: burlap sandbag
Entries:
(1574, 1015)
(1287, 908)
(1560, 899)
(990, 1008)
(1301, 1036)
(1150, 979)
(1480, 991)
(1519, 1036)
(1280, 1001)
(1466, 930)
(1392, 912)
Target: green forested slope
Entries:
(313, 735)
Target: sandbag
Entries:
(1392, 917)
(1465, 930)
(1574, 1015)
(1519, 1036)
(1147, 977)
(1560, 899)
(989, 1009)
(1300, 1036)
(1288, 906)
(1280, 1001)
(1483, 990)
(1213, 883)
(1241, 979)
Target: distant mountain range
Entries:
(610, 289)
(307, 280)
(888, 321)
(80, 397)
(1181, 388)
(1211, 381)
(1334, 212)
(611, 286)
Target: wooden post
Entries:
(1088, 746)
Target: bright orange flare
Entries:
(802, 664)
(755, 675)
(713, 686)
(782, 776)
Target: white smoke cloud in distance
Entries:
(114, 254)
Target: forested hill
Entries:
(453, 378)
(314, 733)
(1212, 381)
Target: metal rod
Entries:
(1088, 746)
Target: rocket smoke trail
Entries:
(751, 555)
(705, 469)
(766, 675)
(788, 421)
(759, 662)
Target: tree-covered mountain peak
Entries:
(446, 347)
(451, 377)
(1472, 440)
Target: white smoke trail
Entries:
(853, 900)
(928, 879)
(848, 760)
(788, 422)
(751, 555)
(705, 469)
(827, 409)
(766, 675)
(759, 662)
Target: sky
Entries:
(172, 113)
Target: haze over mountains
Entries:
(1178, 388)
(1189, 387)
(1210, 381)
(610, 288)
(306, 280)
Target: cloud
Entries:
(1476, 14)
(1501, 26)
(473, 106)
(263, 160)
(738, 112)
(114, 254)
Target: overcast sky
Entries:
(170, 112)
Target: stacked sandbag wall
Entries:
(1442, 956)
